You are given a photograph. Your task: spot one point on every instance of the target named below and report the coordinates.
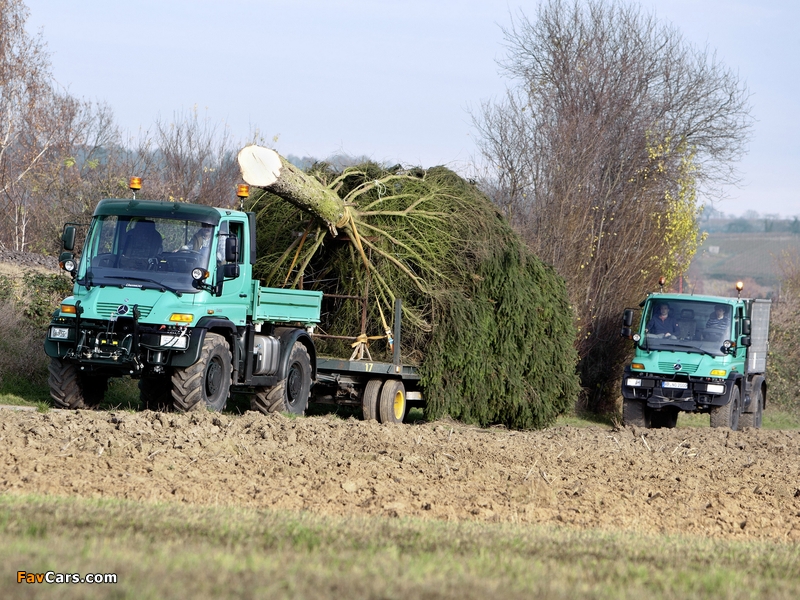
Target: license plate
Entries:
(676, 385)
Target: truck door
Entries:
(234, 300)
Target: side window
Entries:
(237, 230)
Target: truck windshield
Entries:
(152, 252)
(686, 326)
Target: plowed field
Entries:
(704, 481)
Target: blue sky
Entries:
(322, 75)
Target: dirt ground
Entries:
(703, 481)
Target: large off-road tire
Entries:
(392, 404)
(69, 388)
(369, 401)
(291, 394)
(155, 393)
(753, 419)
(635, 412)
(206, 383)
(728, 415)
(666, 418)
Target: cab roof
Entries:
(163, 210)
(676, 296)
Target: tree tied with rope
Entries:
(487, 323)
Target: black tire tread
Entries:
(728, 415)
(71, 389)
(753, 419)
(369, 401)
(188, 385)
(635, 413)
(274, 399)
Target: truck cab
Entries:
(698, 354)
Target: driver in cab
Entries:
(200, 242)
(661, 324)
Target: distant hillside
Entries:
(752, 257)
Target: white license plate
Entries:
(676, 385)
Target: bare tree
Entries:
(49, 140)
(598, 152)
(197, 160)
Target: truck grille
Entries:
(106, 309)
(669, 367)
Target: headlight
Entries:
(715, 389)
(171, 341)
(633, 382)
(59, 333)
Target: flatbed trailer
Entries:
(384, 390)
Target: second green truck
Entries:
(699, 354)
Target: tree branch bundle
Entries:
(488, 323)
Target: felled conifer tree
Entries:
(488, 324)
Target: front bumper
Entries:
(121, 347)
(682, 392)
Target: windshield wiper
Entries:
(159, 286)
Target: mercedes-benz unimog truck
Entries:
(164, 293)
(698, 354)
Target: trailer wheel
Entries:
(728, 415)
(369, 401)
(206, 382)
(392, 405)
(634, 412)
(291, 394)
(155, 393)
(753, 419)
(71, 389)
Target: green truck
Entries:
(698, 354)
(163, 292)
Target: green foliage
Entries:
(25, 308)
(679, 219)
(42, 293)
(488, 324)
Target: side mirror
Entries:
(230, 271)
(746, 341)
(627, 317)
(68, 237)
(745, 326)
(232, 250)
(626, 332)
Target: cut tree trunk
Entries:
(264, 168)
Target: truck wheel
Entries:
(634, 412)
(728, 415)
(70, 389)
(291, 394)
(753, 419)
(206, 382)
(392, 404)
(155, 393)
(369, 401)
(666, 418)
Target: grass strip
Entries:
(178, 551)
